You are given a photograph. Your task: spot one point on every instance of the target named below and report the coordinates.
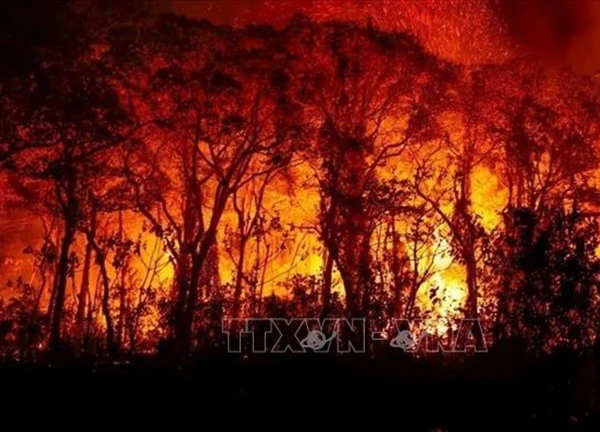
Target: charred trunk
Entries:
(83, 294)
(62, 271)
(105, 303)
(61, 285)
(188, 295)
(239, 281)
(327, 284)
(472, 294)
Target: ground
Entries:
(481, 392)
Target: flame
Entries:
(296, 248)
(443, 295)
(488, 197)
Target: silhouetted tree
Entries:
(361, 96)
(62, 131)
(219, 124)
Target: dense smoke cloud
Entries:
(558, 31)
(465, 31)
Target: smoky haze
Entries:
(557, 31)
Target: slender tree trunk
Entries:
(181, 287)
(122, 292)
(327, 284)
(414, 286)
(122, 315)
(105, 304)
(397, 268)
(83, 294)
(263, 275)
(89, 320)
(51, 300)
(472, 294)
(463, 214)
(40, 293)
(110, 332)
(239, 279)
(60, 285)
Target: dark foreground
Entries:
(493, 391)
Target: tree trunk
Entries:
(83, 294)
(60, 285)
(397, 267)
(186, 318)
(472, 295)
(237, 292)
(327, 282)
(466, 225)
(187, 297)
(110, 331)
(122, 291)
(184, 314)
(412, 298)
(346, 225)
(122, 314)
(263, 275)
(355, 258)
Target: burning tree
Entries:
(219, 126)
(187, 133)
(364, 111)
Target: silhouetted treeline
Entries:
(181, 173)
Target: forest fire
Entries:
(174, 173)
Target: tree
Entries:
(548, 168)
(61, 134)
(219, 127)
(365, 94)
(443, 178)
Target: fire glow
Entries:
(185, 172)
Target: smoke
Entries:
(556, 31)
(464, 31)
